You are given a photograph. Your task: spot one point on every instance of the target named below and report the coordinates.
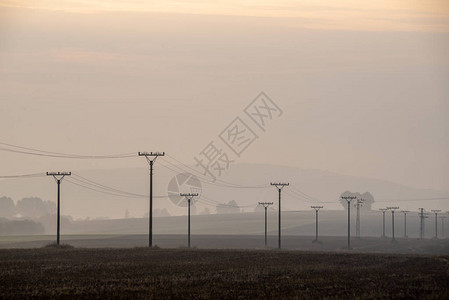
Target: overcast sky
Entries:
(363, 85)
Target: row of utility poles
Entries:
(152, 156)
(393, 209)
(422, 216)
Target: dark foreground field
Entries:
(302, 243)
(214, 274)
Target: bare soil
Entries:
(219, 274)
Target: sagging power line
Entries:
(37, 152)
(204, 179)
(23, 176)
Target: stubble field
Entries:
(219, 274)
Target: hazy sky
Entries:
(363, 84)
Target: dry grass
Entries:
(215, 274)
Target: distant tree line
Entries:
(31, 207)
(20, 227)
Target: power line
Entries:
(299, 192)
(105, 189)
(410, 200)
(97, 190)
(100, 191)
(184, 171)
(203, 178)
(300, 197)
(24, 175)
(37, 152)
(101, 186)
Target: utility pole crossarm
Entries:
(189, 195)
(151, 153)
(316, 207)
(392, 208)
(280, 185)
(59, 173)
(349, 198)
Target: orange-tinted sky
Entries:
(403, 15)
(363, 83)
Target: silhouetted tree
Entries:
(369, 200)
(348, 194)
